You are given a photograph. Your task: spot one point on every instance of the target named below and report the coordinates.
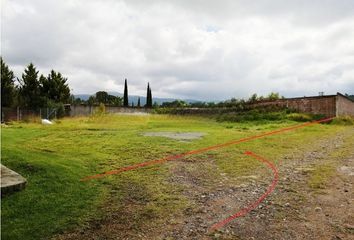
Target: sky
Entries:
(195, 49)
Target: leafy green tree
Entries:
(55, 88)
(91, 101)
(126, 101)
(8, 90)
(114, 101)
(253, 98)
(175, 104)
(102, 97)
(273, 96)
(30, 89)
(77, 101)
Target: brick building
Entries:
(329, 105)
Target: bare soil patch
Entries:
(186, 136)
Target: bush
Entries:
(252, 115)
(100, 110)
(305, 117)
(299, 117)
(344, 120)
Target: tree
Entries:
(148, 97)
(114, 101)
(54, 88)
(102, 97)
(273, 96)
(30, 89)
(125, 100)
(8, 89)
(138, 103)
(175, 104)
(253, 98)
(91, 101)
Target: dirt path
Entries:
(293, 211)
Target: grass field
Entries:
(54, 158)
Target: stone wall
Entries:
(345, 106)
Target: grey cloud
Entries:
(192, 49)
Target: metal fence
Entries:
(23, 114)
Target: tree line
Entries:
(233, 102)
(33, 90)
(102, 97)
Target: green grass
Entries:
(321, 174)
(54, 158)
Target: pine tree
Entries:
(7, 85)
(125, 103)
(54, 88)
(30, 89)
(139, 102)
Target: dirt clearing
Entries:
(313, 199)
(184, 136)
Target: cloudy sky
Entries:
(200, 49)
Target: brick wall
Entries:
(345, 106)
(325, 105)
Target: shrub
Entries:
(344, 120)
(304, 117)
(299, 117)
(100, 110)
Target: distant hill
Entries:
(134, 98)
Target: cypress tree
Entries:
(125, 101)
(150, 98)
(139, 102)
(147, 96)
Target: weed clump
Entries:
(345, 121)
(100, 110)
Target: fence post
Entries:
(48, 113)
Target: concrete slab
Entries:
(11, 181)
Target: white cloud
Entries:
(191, 49)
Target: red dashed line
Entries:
(253, 205)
